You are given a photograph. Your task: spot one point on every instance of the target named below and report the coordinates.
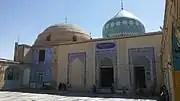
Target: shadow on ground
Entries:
(70, 93)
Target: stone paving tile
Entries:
(17, 96)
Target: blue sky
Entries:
(27, 18)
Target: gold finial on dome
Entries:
(66, 20)
(122, 5)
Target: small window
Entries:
(41, 55)
(48, 38)
(74, 38)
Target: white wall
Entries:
(26, 77)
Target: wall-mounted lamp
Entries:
(169, 65)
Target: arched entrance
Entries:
(77, 73)
(142, 76)
(12, 78)
(106, 72)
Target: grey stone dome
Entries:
(67, 27)
(123, 24)
(62, 33)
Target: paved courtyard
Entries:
(19, 96)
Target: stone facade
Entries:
(47, 41)
(86, 60)
(170, 44)
(13, 75)
(79, 63)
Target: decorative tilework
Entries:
(131, 22)
(112, 24)
(44, 68)
(123, 25)
(148, 52)
(105, 53)
(82, 57)
(118, 23)
(107, 26)
(175, 49)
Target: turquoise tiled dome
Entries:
(123, 24)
